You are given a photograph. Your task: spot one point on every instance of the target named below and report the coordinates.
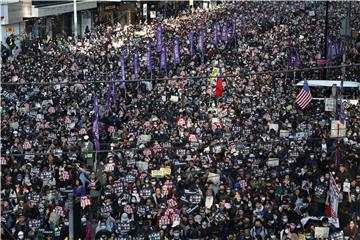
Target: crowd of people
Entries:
(175, 161)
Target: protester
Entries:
(175, 160)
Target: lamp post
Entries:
(75, 20)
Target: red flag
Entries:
(219, 87)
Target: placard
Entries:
(338, 129)
(157, 173)
(321, 232)
(273, 162)
(274, 126)
(152, 14)
(174, 98)
(214, 178)
(166, 171)
(330, 105)
(284, 133)
(346, 187)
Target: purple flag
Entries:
(216, 36)
(176, 51)
(328, 47)
(149, 58)
(163, 60)
(191, 37)
(297, 60)
(95, 128)
(201, 42)
(159, 37)
(136, 64)
(113, 93)
(290, 60)
(233, 32)
(224, 32)
(122, 62)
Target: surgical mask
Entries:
(66, 223)
(83, 220)
(357, 190)
(103, 227)
(285, 220)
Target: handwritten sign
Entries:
(321, 232)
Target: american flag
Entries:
(51, 110)
(27, 145)
(85, 201)
(304, 97)
(3, 161)
(59, 210)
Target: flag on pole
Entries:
(163, 58)
(122, 62)
(224, 32)
(219, 86)
(216, 36)
(149, 58)
(297, 59)
(176, 51)
(290, 60)
(304, 97)
(95, 128)
(201, 42)
(136, 64)
(191, 37)
(159, 38)
(233, 32)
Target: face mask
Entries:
(286, 231)
(357, 190)
(83, 220)
(103, 227)
(66, 223)
(292, 227)
(285, 220)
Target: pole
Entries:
(71, 215)
(75, 20)
(326, 38)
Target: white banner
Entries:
(334, 197)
